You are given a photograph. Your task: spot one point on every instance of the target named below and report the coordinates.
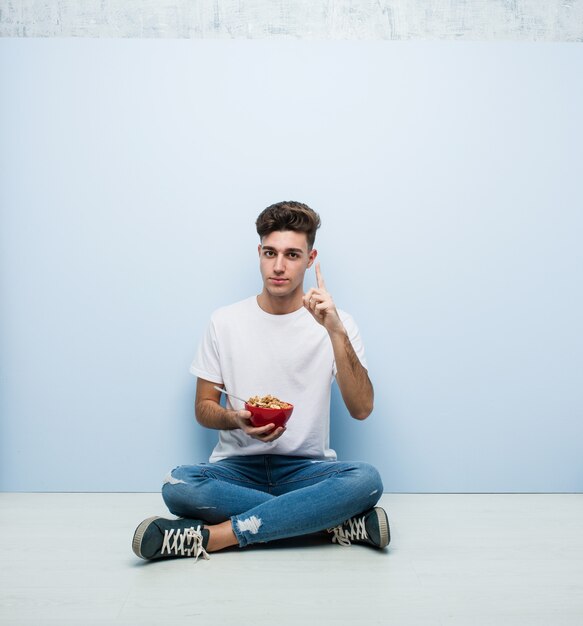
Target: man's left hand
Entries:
(320, 304)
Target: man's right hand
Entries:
(265, 433)
(211, 414)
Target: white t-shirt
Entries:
(254, 353)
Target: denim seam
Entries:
(268, 475)
(243, 481)
(307, 479)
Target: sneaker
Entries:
(371, 527)
(159, 538)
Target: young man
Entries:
(267, 483)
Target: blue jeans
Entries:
(270, 497)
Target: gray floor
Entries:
(454, 559)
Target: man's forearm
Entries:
(352, 378)
(212, 415)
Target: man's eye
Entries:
(293, 255)
(268, 253)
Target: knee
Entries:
(176, 485)
(371, 481)
(182, 475)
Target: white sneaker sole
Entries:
(139, 535)
(384, 530)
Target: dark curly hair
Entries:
(289, 215)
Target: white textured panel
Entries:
(482, 20)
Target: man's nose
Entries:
(279, 263)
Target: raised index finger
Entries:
(319, 279)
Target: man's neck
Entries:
(280, 305)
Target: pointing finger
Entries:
(319, 279)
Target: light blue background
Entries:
(448, 178)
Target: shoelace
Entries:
(349, 531)
(184, 542)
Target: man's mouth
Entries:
(278, 281)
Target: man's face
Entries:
(283, 261)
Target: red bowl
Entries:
(262, 417)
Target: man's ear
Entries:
(312, 256)
(259, 249)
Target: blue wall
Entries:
(448, 177)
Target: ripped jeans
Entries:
(270, 497)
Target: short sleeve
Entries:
(206, 363)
